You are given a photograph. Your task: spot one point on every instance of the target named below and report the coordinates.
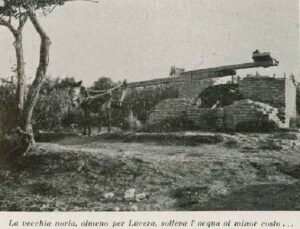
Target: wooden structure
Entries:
(259, 60)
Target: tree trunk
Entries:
(14, 140)
(36, 85)
(22, 138)
(21, 78)
(34, 89)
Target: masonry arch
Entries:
(220, 95)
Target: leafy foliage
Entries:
(15, 8)
(139, 101)
(54, 109)
(142, 101)
(8, 119)
(103, 83)
(7, 107)
(14, 12)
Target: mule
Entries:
(94, 109)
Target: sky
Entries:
(141, 39)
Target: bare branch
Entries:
(6, 81)
(6, 23)
(36, 24)
(22, 21)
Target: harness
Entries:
(103, 93)
(85, 102)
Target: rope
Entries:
(96, 91)
(102, 94)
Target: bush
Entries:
(10, 139)
(8, 119)
(141, 102)
(54, 108)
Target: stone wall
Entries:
(265, 99)
(263, 89)
(206, 118)
(247, 111)
(277, 92)
(227, 118)
(203, 118)
(169, 108)
(192, 86)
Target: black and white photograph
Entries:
(149, 106)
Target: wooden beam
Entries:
(264, 64)
(154, 82)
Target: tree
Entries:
(54, 108)
(13, 15)
(103, 83)
(142, 101)
(7, 108)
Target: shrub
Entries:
(7, 107)
(141, 102)
(54, 109)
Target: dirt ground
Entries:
(76, 173)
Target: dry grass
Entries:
(250, 172)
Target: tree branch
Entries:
(18, 44)
(6, 81)
(6, 23)
(22, 21)
(36, 24)
(34, 89)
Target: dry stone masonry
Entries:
(277, 92)
(247, 111)
(170, 108)
(263, 98)
(266, 99)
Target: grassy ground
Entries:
(232, 172)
